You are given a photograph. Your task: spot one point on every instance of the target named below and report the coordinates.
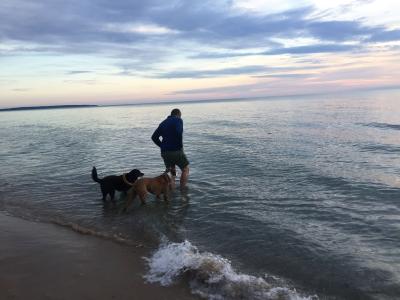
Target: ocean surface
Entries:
(288, 198)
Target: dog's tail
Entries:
(94, 175)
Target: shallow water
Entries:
(304, 190)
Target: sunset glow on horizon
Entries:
(114, 52)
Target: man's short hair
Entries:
(175, 112)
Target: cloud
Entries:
(319, 48)
(247, 26)
(63, 22)
(251, 69)
(339, 30)
(358, 73)
(86, 25)
(210, 55)
(211, 73)
(145, 38)
(137, 28)
(76, 72)
(21, 90)
(385, 36)
(225, 89)
(287, 75)
(316, 48)
(85, 82)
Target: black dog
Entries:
(110, 184)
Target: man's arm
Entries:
(156, 137)
(179, 131)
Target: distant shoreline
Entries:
(152, 103)
(46, 107)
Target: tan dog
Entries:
(160, 185)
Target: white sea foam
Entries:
(211, 276)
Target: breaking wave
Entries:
(212, 276)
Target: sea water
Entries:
(288, 198)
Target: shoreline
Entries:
(47, 261)
(44, 107)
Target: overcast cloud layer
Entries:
(85, 24)
(152, 38)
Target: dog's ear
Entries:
(138, 173)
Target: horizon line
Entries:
(61, 106)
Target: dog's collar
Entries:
(126, 180)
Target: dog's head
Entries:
(133, 175)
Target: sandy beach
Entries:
(46, 261)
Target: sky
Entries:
(55, 52)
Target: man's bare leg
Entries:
(184, 177)
(173, 175)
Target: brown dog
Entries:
(160, 185)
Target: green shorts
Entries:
(172, 158)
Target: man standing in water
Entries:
(171, 130)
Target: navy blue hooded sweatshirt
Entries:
(171, 130)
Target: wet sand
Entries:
(46, 261)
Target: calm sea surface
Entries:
(299, 194)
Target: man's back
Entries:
(170, 130)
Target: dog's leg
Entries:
(123, 195)
(104, 193)
(142, 197)
(166, 193)
(112, 194)
(131, 196)
(172, 179)
(165, 197)
(104, 198)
